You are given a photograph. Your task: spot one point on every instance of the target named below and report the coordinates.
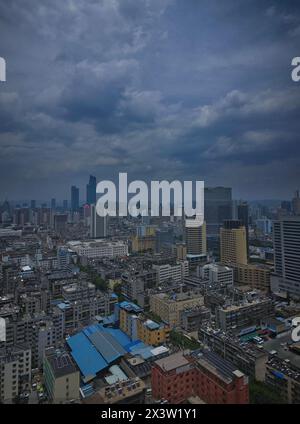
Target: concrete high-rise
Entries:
(196, 248)
(98, 224)
(233, 243)
(217, 208)
(91, 191)
(195, 238)
(74, 198)
(296, 203)
(286, 239)
(243, 216)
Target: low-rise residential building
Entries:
(216, 273)
(284, 379)
(247, 357)
(99, 248)
(77, 291)
(204, 374)
(61, 378)
(39, 331)
(171, 272)
(130, 391)
(138, 327)
(257, 276)
(191, 320)
(81, 312)
(244, 314)
(168, 306)
(15, 371)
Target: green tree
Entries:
(182, 341)
(261, 394)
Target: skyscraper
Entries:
(91, 191)
(296, 203)
(217, 208)
(74, 198)
(98, 228)
(53, 203)
(233, 243)
(32, 204)
(196, 250)
(286, 239)
(243, 216)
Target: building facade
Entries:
(206, 375)
(233, 243)
(168, 307)
(61, 377)
(286, 239)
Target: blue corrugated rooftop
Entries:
(130, 306)
(86, 356)
(96, 347)
(151, 324)
(119, 335)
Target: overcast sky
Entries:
(161, 89)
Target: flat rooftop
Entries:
(222, 368)
(61, 362)
(95, 243)
(172, 362)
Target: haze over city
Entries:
(166, 89)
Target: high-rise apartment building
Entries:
(233, 243)
(286, 239)
(195, 238)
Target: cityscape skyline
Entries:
(86, 194)
(149, 207)
(163, 90)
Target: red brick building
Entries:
(173, 378)
(207, 375)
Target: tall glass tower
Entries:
(91, 191)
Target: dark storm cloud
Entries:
(160, 89)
